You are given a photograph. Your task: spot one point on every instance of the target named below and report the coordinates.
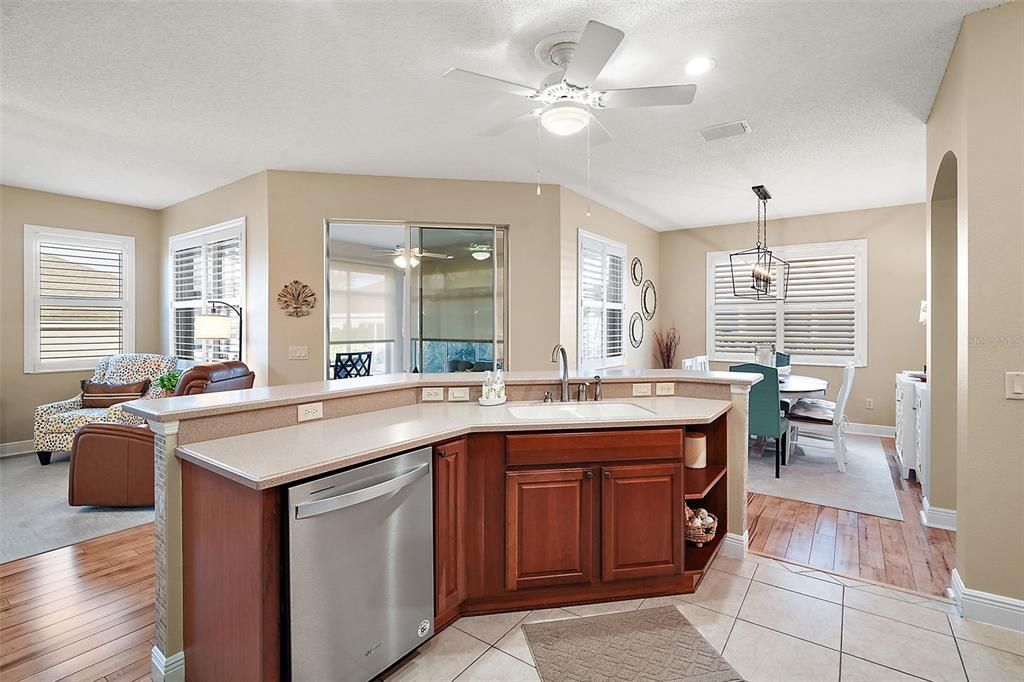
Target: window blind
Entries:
(78, 298)
(601, 302)
(822, 320)
(207, 265)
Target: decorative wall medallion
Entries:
(648, 300)
(636, 271)
(296, 299)
(636, 330)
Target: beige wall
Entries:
(246, 198)
(21, 392)
(896, 286)
(977, 115)
(640, 241)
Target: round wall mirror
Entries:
(636, 271)
(648, 300)
(636, 330)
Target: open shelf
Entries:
(696, 558)
(698, 482)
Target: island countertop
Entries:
(266, 459)
(229, 402)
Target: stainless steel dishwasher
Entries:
(361, 568)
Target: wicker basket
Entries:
(699, 537)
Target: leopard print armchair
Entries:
(55, 424)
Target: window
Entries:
(823, 320)
(601, 296)
(207, 265)
(365, 310)
(79, 298)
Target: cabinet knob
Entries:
(589, 474)
(442, 452)
(607, 474)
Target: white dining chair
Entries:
(697, 363)
(823, 420)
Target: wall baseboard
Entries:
(18, 447)
(871, 430)
(734, 545)
(937, 517)
(986, 607)
(167, 668)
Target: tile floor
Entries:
(773, 621)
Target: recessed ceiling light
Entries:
(699, 65)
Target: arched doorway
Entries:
(946, 353)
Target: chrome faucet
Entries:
(559, 355)
(597, 387)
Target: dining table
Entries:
(798, 386)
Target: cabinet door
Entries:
(641, 521)
(449, 529)
(548, 527)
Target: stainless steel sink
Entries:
(596, 411)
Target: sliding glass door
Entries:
(415, 298)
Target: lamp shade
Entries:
(213, 327)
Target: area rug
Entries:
(866, 487)
(650, 644)
(34, 512)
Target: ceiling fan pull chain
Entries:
(588, 170)
(538, 156)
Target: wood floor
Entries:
(84, 612)
(905, 554)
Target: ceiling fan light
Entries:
(699, 65)
(400, 261)
(565, 118)
(481, 255)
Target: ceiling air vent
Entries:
(724, 130)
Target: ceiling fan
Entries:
(415, 256)
(567, 96)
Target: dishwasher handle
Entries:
(329, 504)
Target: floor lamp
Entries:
(218, 327)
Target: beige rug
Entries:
(650, 644)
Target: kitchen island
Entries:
(549, 510)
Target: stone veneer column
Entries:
(735, 543)
(168, 657)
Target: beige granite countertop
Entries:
(271, 458)
(228, 402)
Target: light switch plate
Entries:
(432, 394)
(298, 352)
(1015, 385)
(667, 388)
(458, 393)
(311, 411)
(641, 390)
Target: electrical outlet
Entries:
(432, 394)
(311, 411)
(298, 352)
(458, 393)
(665, 389)
(869, 404)
(641, 390)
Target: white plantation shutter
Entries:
(823, 320)
(206, 265)
(79, 298)
(601, 302)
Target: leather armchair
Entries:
(112, 464)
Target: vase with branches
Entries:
(665, 346)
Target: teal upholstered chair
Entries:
(766, 418)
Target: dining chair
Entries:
(356, 364)
(823, 420)
(765, 418)
(697, 363)
(782, 359)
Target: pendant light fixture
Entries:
(757, 273)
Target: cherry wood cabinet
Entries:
(641, 521)
(449, 529)
(549, 527)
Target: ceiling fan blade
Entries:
(489, 82)
(598, 133)
(505, 126)
(657, 96)
(597, 44)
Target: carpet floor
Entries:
(34, 512)
(811, 476)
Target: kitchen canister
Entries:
(695, 450)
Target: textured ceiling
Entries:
(149, 103)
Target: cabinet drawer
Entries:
(593, 446)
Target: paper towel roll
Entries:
(695, 450)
